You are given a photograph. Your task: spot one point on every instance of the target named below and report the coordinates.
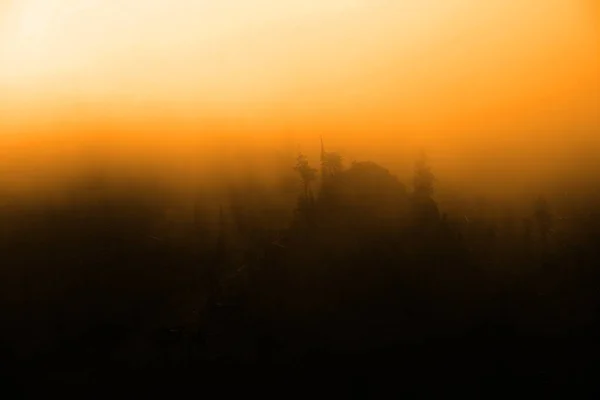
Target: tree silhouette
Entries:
(307, 174)
(543, 219)
(423, 179)
(424, 209)
(332, 164)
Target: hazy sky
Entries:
(454, 75)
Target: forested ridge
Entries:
(367, 271)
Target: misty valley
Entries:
(358, 270)
(351, 197)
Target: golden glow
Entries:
(455, 75)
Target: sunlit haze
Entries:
(502, 88)
(348, 184)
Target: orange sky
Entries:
(453, 75)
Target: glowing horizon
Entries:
(457, 76)
(240, 53)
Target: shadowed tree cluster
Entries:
(364, 263)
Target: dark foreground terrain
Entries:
(370, 287)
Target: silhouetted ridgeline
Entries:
(119, 275)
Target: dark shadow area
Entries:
(371, 277)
